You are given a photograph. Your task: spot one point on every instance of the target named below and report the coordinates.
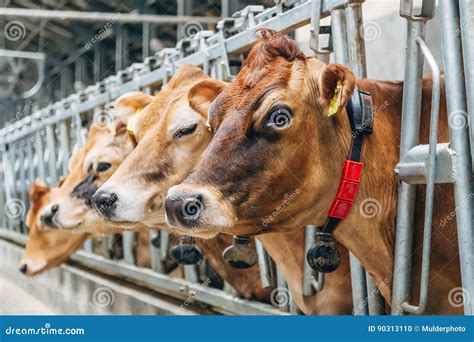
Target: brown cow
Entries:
(273, 137)
(46, 249)
(167, 150)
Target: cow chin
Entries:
(198, 209)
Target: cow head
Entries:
(45, 248)
(171, 136)
(274, 147)
(107, 145)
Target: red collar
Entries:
(323, 256)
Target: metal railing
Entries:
(453, 161)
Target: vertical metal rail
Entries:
(466, 9)
(51, 156)
(128, 245)
(376, 303)
(459, 139)
(410, 131)
(156, 244)
(265, 265)
(341, 55)
(430, 184)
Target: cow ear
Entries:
(136, 100)
(201, 95)
(38, 190)
(336, 85)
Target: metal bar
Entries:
(358, 64)
(466, 9)
(157, 263)
(191, 273)
(410, 129)
(341, 55)
(64, 146)
(51, 156)
(430, 184)
(459, 139)
(265, 265)
(128, 245)
(95, 17)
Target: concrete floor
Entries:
(15, 300)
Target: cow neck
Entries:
(370, 238)
(287, 250)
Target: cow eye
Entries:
(103, 167)
(185, 131)
(279, 118)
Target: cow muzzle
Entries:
(190, 206)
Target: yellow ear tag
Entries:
(131, 124)
(208, 125)
(336, 100)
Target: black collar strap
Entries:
(323, 256)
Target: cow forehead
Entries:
(241, 97)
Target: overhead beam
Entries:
(130, 18)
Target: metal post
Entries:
(51, 156)
(410, 128)
(64, 146)
(459, 139)
(128, 245)
(466, 9)
(265, 265)
(121, 48)
(341, 55)
(358, 64)
(40, 154)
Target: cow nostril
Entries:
(54, 209)
(23, 268)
